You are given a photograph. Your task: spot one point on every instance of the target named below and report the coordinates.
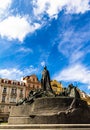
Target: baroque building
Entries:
(56, 86)
(32, 83)
(10, 92)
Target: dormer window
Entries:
(5, 81)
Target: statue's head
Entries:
(45, 67)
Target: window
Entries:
(21, 91)
(2, 108)
(13, 90)
(4, 90)
(3, 98)
(12, 99)
(14, 83)
(6, 81)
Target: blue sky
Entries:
(56, 33)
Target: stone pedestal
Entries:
(48, 110)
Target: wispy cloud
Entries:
(74, 73)
(25, 50)
(30, 70)
(52, 8)
(4, 7)
(73, 43)
(16, 74)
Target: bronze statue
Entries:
(45, 80)
(31, 97)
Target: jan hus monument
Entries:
(45, 107)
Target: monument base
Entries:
(49, 110)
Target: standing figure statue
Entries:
(45, 80)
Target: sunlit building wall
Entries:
(11, 91)
(32, 83)
(56, 86)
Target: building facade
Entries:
(11, 91)
(32, 83)
(56, 86)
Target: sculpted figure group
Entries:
(46, 90)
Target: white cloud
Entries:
(10, 73)
(43, 63)
(16, 27)
(79, 6)
(25, 50)
(16, 74)
(78, 73)
(4, 6)
(53, 7)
